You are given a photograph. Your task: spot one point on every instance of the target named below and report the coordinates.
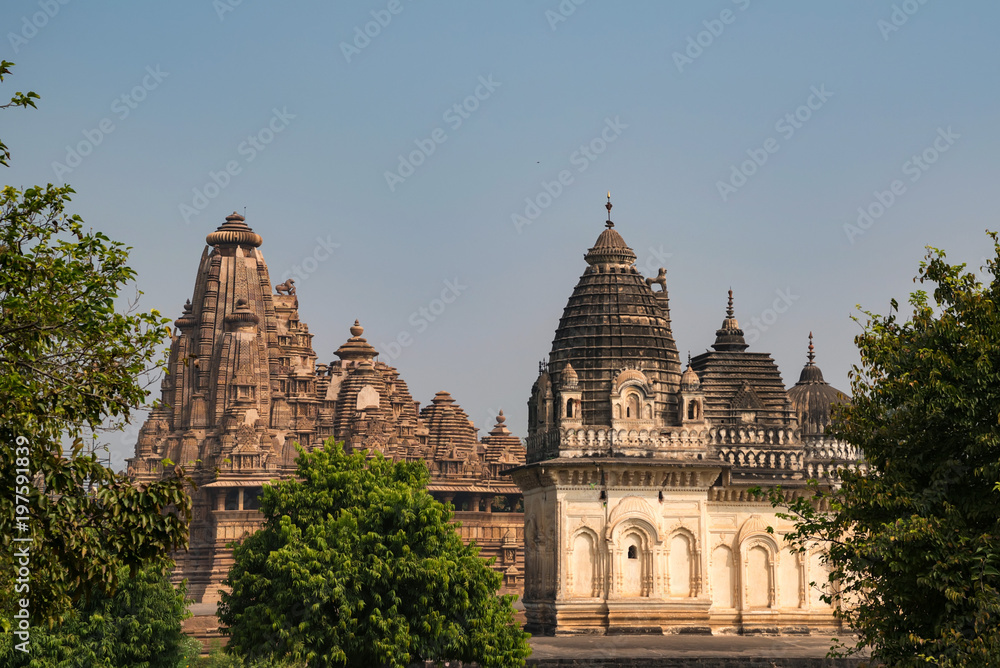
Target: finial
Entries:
(729, 309)
(811, 354)
(501, 418)
(357, 329)
(689, 358)
(608, 224)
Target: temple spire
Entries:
(810, 372)
(729, 337)
(608, 224)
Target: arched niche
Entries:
(724, 577)
(582, 558)
(680, 564)
(759, 572)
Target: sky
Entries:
(438, 170)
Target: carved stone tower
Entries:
(237, 395)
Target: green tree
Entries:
(357, 565)
(138, 626)
(69, 367)
(914, 535)
(18, 100)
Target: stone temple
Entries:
(636, 514)
(638, 517)
(244, 385)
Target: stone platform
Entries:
(684, 650)
(635, 651)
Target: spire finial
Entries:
(689, 358)
(729, 309)
(811, 354)
(608, 224)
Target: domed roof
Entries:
(234, 232)
(813, 398)
(610, 248)
(614, 320)
(570, 378)
(689, 379)
(729, 337)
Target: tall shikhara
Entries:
(239, 392)
(244, 386)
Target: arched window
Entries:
(632, 406)
(569, 408)
(693, 410)
(632, 553)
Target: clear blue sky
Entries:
(331, 113)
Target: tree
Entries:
(69, 367)
(18, 100)
(138, 626)
(914, 535)
(357, 565)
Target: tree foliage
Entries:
(138, 626)
(914, 536)
(69, 366)
(357, 565)
(18, 100)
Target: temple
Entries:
(244, 386)
(638, 511)
(630, 508)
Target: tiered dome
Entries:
(611, 321)
(449, 427)
(813, 398)
(356, 347)
(610, 249)
(234, 232)
(502, 445)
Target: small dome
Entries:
(234, 232)
(570, 379)
(689, 379)
(610, 248)
(813, 398)
(729, 337)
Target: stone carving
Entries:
(661, 280)
(286, 288)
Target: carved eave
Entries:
(610, 473)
